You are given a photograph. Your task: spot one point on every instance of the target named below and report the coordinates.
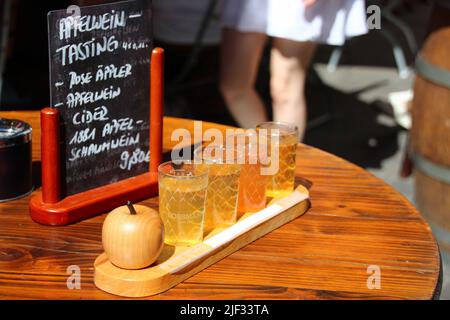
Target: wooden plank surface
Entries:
(356, 221)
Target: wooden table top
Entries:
(356, 221)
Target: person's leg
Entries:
(240, 57)
(289, 64)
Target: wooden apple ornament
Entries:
(133, 236)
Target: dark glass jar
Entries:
(15, 159)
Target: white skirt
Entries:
(327, 21)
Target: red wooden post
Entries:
(156, 108)
(50, 156)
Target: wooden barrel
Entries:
(430, 133)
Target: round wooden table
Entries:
(358, 228)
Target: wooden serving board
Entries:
(177, 264)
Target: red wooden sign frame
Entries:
(46, 205)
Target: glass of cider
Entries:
(282, 140)
(252, 181)
(182, 198)
(224, 169)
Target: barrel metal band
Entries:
(432, 169)
(432, 73)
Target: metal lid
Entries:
(14, 132)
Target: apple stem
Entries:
(131, 208)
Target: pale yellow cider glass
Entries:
(182, 198)
(224, 169)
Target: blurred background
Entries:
(359, 95)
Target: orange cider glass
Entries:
(252, 183)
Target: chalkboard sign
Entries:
(100, 80)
